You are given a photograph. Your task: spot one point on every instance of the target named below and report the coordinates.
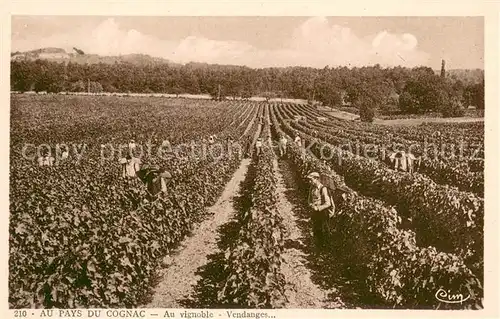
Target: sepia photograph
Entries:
(246, 162)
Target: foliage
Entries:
(454, 218)
(369, 97)
(80, 236)
(368, 237)
(452, 109)
(326, 85)
(69, 254)
(474, 95)
(424, 94)
(443, 70)
(366, 112)
(454, 159)
(254, 260)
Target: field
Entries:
(234, 229)
(405, 119)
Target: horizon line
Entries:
(233, 65)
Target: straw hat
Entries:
(165, 174)
(313, 175)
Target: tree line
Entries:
(372, 89)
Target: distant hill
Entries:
(60, 55)
(467, 76)
(45, 53)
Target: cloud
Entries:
(337, 45)
(211, 51)
(314, 43)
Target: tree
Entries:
(77, 86)
(55, 87)
(409, 103)
(218, 93)
(474, 95)
(332, 97)
(421, 72)
(391, 105)
(452, 107)
(48, 76)
(233, 90)
(443, 71)
(479, 96)
(107, 87)
(399, 76)
(424, 92)
(369, 97)
(366, 112)
(246, 94)
(328, 89)
(176, 90)
(22, 76)
(326, 85)
(95, 87)
(458, 88)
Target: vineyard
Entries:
(234, 226)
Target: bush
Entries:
(451, 111)
(366, 113)
(254, 260)
(104, 254)
(453, 108)
(369, 238)
(453, 217)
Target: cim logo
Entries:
(447, 297)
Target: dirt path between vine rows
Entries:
(301, 292)
(180, 276)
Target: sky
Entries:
(265, 41)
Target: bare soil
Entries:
(415, 121)
(301, 292)
(180, 275)
(428, 120)
(343, 284)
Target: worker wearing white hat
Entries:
(320, 202)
